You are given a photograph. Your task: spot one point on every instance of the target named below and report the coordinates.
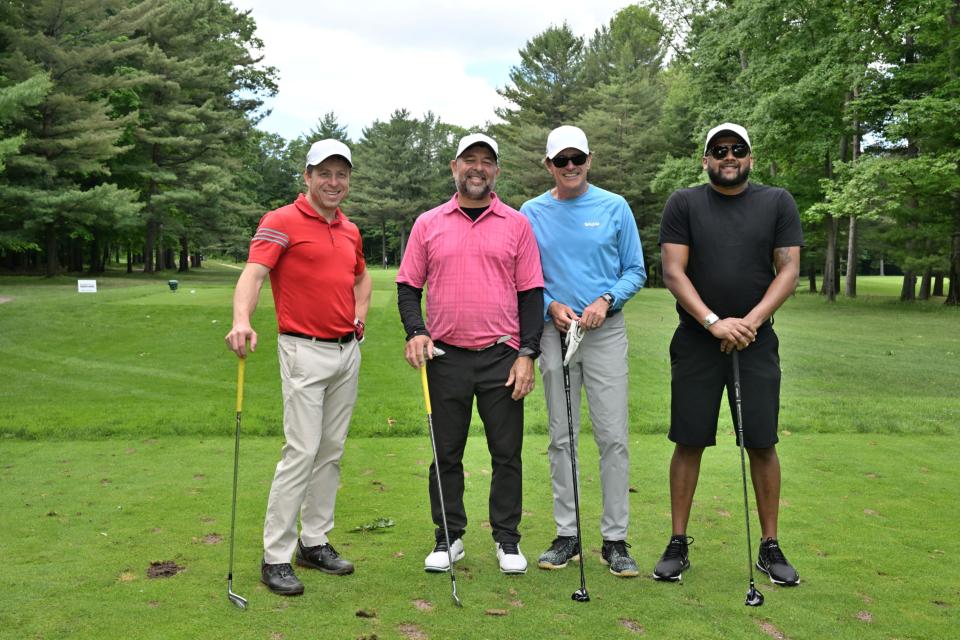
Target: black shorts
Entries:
(699, 373)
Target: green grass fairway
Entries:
(116, 451)
(868, 520)
(137, 360)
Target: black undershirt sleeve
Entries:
(408, 301)
(530, 303)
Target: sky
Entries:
(366, 58)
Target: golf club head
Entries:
(580, 595)
(238, 600)
(456, 599)
(754, 598)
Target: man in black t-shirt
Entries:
(731, 256)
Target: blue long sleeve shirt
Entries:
(589, 245)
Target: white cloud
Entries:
(362, 60)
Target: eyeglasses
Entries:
(719, 152)
(561, 161)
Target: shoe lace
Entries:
(328, 549)
(284, 570)
(619, 547)
(441, 546)
(771, 549)
(510, 548)
(677, 547)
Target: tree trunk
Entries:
(76, 255)
(383, 241)
(909, 288)
(925, 282)
(830, 273)
(851, 285)
(812, 276)
(149, 240)
(162, 263)
(938, 284)
(53, 261)
(184, 255)
(129, 260)
(882, 273)
(953, 284)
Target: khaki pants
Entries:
(319, 390)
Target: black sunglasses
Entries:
(561, 161)
(719, 152)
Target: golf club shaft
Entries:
(236, 599)
(573, 455)
(436, 468)
(743, 463)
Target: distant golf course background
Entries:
(116, 451)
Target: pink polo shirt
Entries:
(472, 271)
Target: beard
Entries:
(717, 178)
(475, 191)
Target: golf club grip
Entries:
(241, 366)
(426, 387)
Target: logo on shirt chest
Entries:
(591, 224)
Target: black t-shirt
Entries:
(731, 240)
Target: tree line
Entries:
(129, 127)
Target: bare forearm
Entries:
(787, 262)
(362, 291)
(247, 293)
(686, 294)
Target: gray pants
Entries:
(319, 391)
(599, 366)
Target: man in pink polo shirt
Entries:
(321, 289)
(480, 263)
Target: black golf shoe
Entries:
(773, 563)
(280, 579)
(674, 560)
(323, 557)
(562, 550)
(614, 553)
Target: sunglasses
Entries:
(561, 161)
(719, 152)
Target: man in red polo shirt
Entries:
(480, 263)
(321, 289)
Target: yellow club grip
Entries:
(241, 364)
(426, 387)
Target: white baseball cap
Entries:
(323, 149)
(566, 137)
(468, 141)
(727, 127)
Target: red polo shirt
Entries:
(313, 267)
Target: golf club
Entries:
(580, 595)
(754, 597)
(235, 598)
(436, 468)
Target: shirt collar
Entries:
(304, 206)
(453, 205)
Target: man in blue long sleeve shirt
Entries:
(592, 265)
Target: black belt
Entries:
(345, 338)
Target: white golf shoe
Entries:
(438, 561)
(511, 558)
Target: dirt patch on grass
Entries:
(864, 616)
(423, 605)
(5, 299)
(770, 630)
(412, 632)
(212, 538)
(496, 613)
(163, 569)
(632, 625)
(366, 613)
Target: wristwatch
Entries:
(609, 298)
(710, 320)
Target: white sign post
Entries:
(87, 286)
